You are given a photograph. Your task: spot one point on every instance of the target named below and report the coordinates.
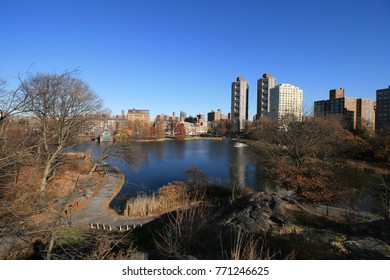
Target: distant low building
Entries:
(191, 119)
(105, 136)
(216, 116)
(138, 114)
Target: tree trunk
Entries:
(50, 248)
(45, 176)
(93, 169)
(49, 168)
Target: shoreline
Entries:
(184, 139)
(189, 138)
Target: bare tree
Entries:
(16, 135)
(12, 101)
(60, 105)
(300, 157)
(107, 152)
(315, 137)
(263, 130)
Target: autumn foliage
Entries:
(312, 183)
(180, 132)
(305, 157)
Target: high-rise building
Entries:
(382, 113)
(264, 86)
(183, 116)
(336, 93)
(239, 110)
(286, 103)
(358, 113)
(338, 105)
(365, 113)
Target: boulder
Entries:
(368, 248)
(261, 212)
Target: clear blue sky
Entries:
(177, 55)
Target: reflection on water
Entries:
(239, 163)
(154, 164)
(150, 165)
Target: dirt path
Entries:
(97, 212)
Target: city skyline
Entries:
(170, 56)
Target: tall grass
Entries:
(165, 199)
(247, 246)
(184, 231)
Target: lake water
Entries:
(158, 163)
(155, 164)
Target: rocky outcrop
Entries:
(262, 212)
(367, 248)
(284, 219)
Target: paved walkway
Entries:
(331, 211)
(97, 212)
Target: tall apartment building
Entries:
(358, 113)
(286, 103)
(382, 112)
(138, 114)
(183, 115)
(338, 105)
(365, 113)
(264, 86)
(336, 93)
(239, 110)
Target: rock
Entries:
(260, 212)
(279, 206)
(295, 231)
(367, 248)
(142, 256)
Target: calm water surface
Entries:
(158, 163)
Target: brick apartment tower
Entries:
(358, 113)
(382, 113)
